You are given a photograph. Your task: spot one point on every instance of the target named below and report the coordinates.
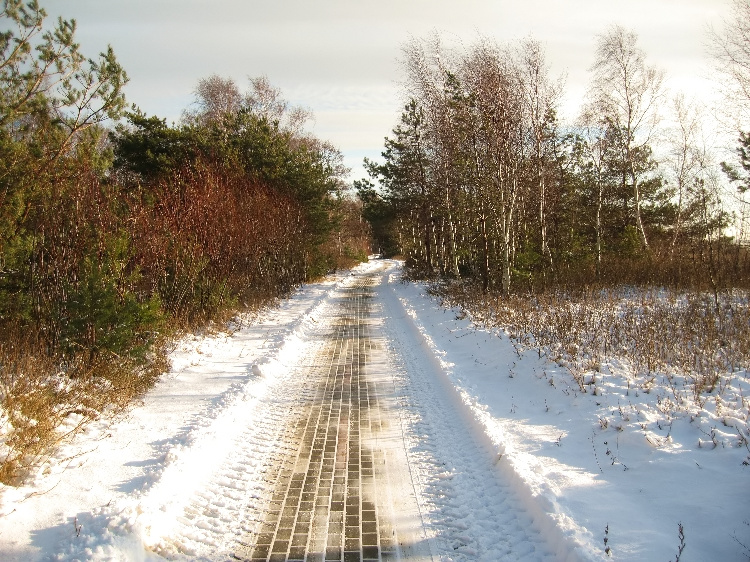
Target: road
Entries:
(379, 462)
(359, 420)
(325, 428)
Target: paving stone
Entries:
(299, 540)
(261, 551)
(297, 554)
(333, 553)
(324, 503)
(369, 516)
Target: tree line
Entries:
(109, 237)
(481, 180)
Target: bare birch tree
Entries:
(626, 92)
(541, 98)
(496, 89)
(216, 97)
(686, 160)
(595, 143)
(730, 48)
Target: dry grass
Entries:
(44, 401)
(695, 336)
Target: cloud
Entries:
(340, 57)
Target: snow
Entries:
(509, 459)
(615, 460)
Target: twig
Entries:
(593, 446)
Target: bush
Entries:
(102, 315)
(678, 333)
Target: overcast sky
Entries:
(339, 58)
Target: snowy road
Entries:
(333, 494)
(359, 420)
(470, 512)
(380, 464)
(378, 443)
(319, 431)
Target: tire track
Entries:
(470, 513)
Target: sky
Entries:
(340, 58)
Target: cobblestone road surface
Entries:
(335, 490)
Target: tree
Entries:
(475, 137)
(146, 148)
(689, 163)
(101, 314)
(52, 102)
(497, 96)
(378, 213)
(730, 49)
(181, 172)
(625, 92)
(216, 99)
(593, 155)
(28, 79)
(540, 106)
(741, 178)
(44, 75)
(432, 82)
(404, 176)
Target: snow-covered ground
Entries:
(510, 459)
(614, 463)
